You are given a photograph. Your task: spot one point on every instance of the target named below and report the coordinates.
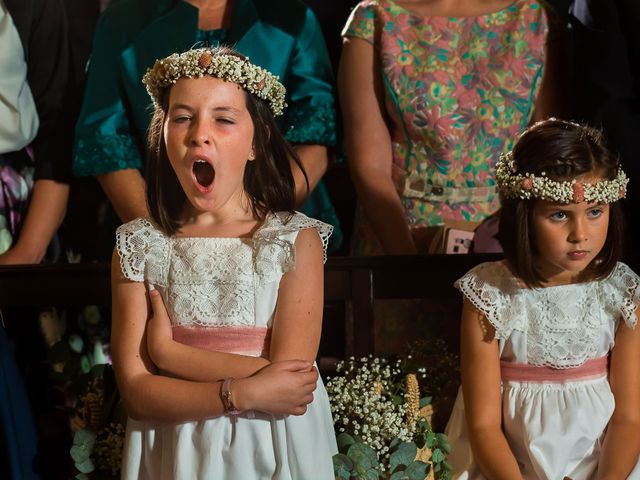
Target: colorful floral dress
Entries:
(458, 90)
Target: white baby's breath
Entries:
(199, 62)
(362, 401)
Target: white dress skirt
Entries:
(554, 343)
(221, 294)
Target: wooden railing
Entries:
(348, 280)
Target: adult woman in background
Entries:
(282, 36)
(432, 92)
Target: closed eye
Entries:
(225, 121)
(181, 119)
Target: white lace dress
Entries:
(228, 284)
(554, 429)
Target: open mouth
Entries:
(204, 173)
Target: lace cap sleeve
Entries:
(138, 242)
(489, 287)
(274, 252)
(622, 289)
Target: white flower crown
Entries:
(527, 185)
(207, 61)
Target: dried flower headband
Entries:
(527, 185)
(230, 68)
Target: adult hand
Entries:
(282, 388)
(159, 332)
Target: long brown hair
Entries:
(563, 150)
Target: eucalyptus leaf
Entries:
(437, 456)
(82, 476)
(363, 456)
(404, 455)
(342, 466)
(79, 453)
(424, 401)
(417, 470)
(344, 441)
(394, 443)
(398, 475)
(360, 471)
(431, 439)
(443, 442)
(86, 466)
(373, 474)
(84, 437)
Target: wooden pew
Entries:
(348, 280)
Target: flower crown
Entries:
(228, 67)
(525, 186)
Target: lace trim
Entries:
(623, 288)
(485, 298)
(312, 124)
(137, 242)
(105, 154)
(282, 224)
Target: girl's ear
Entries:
(252, 154)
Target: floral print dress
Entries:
(458, 90)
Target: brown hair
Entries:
(268, 180)
(563, 150)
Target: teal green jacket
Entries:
(282, 36)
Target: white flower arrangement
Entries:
(382, 424)
(362, 402)
(230, 68)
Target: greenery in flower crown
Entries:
(383, 423)
(527, 185)
(221, 63)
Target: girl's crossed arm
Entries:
(188, 362)
(296, 327)
(621, 448)
(481, 388)
(281, 388)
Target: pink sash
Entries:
(522, 372)
(252, 341)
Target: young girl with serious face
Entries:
(550, 348)
(216, 364)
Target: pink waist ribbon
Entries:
(252, 341)
(522, 372)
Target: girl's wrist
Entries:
(241, 394)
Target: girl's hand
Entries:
(159, 332)
(282, 388)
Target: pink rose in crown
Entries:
(578, 192)
(527, 184)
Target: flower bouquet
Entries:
(383, 423)
(81, 371)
